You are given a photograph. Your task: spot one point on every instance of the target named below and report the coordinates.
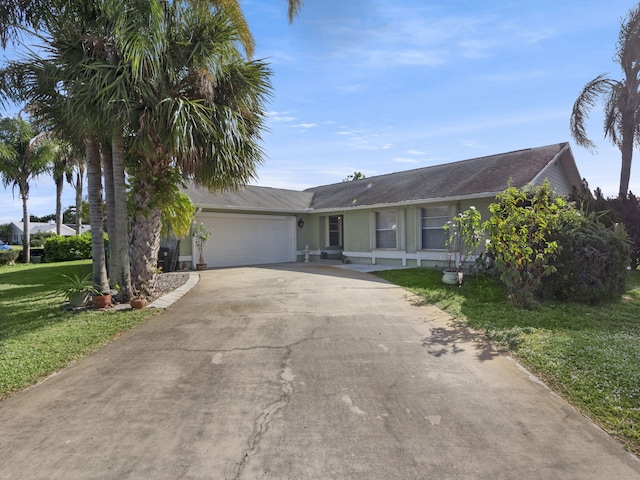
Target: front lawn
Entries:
(588, 354)
(38, 335)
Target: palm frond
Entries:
(583, 105)
(294, 9)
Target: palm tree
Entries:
(62, 169)
(621, 100)
(138, 59)
(199, 119)
(24, 155)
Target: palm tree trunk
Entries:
(626, 149)
(26, 237)
(121, 219)
(145, 232)
(59, 184)
(107, 172)
(79, 185)
(94, 184)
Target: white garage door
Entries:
(248, 239)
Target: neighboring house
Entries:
(388, 219)
(17, 230)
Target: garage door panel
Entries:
(249, 239)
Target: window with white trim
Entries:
(335, 231)
(387, 229)
(432, 234)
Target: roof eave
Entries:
(235, 208)
(407, 203)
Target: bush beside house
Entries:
(535, 235)
(591, 266)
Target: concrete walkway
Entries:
(299, 371)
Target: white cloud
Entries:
(472, 144)
(404, 160)
(307, 125)
(283, 117)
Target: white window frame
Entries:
(396, 227)
(339, 231)
(421, 227)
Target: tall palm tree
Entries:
(200, 119)
(24, 155)
(114, 72)
(62, 169)
(621, 100)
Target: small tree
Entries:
(201, 234)
(354, 176)
(519, 230)
(463, 236)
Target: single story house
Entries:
(17, 230)
(387, 219)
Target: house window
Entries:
(387, 229)
(433, 235)
(335, 231)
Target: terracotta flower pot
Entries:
(138, 303)
(101, 301)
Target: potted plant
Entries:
(200, 234)
(463, 237)
(139, 300)
(100, 299)
(76, 289)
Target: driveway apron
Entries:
(300, 371)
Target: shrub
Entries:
(591, 266)
(8, 256)
(624, 210)
(62, 249)
(38, 239)
(519, 242)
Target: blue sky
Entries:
(379, 86)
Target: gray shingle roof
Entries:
(251, 198)
(485, 175)
(479, 177)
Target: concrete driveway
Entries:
(299, 372)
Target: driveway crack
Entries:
(287, 390)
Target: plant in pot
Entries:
(99, 298)
(139, 300)
(463, 237)
(200, 234)
(76, 289)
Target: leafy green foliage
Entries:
(8, 256)
(589, 354)
(592, 262)
(75, 282)
(463, 236)
(625, 210)
(38, 239)
(62, 249)
(177, 214)
(519, 234)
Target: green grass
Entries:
(38, 334)
(588, 354)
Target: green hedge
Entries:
(63, 249)
(8, 256)
(592, 264)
